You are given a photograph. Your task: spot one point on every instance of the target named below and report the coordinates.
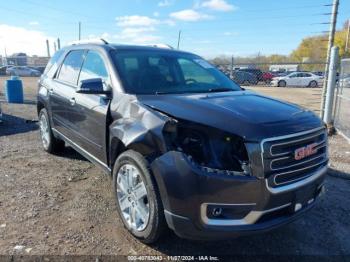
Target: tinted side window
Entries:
(71, 66)
(93, 67)
(131, 63)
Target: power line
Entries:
(286, 8)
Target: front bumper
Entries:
(188, 193)
(274, 83)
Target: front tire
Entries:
(49, 142)
(138, 200)
(282, 83)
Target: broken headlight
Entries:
(210, 149)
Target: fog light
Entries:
(217, 211)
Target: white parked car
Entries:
(298, 79)
(22, 71)
(345, 81)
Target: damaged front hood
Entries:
(243, 113)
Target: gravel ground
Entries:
(63, 204)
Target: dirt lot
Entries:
(54, 205)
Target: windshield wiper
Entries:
(166, 93)
(211, 90)
(161, 93)
(223, 89)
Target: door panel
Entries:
(63, 89)
(296, 80)
(292, 81)
(88, 117)
(59, 102)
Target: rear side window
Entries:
(93, 67)
(70, 68)
(52, 65)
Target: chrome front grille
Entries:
(278, 156)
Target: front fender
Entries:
(138, 127)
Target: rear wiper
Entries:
(224, 89)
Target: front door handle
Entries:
(51, 91)
(72, 101)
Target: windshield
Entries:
(164, 72)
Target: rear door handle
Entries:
(72, 101)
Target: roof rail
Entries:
(89, 41)
(166, 46)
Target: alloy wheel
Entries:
(44, 131)
(132, 197)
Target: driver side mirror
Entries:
(92, 86)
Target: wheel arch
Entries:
(313, 81)
(282, 81)
(116, 147)
(39, 106)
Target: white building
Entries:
(284, 68)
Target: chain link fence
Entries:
(342, 105)
(309, 74)
(22, 65)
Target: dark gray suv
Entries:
(187, 148)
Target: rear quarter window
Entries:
(71, 66)
(52, 65)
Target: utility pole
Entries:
(232, 61)
(347, 37)
(58, 44)
(79, 30)
(6, 56)
(330, 45)
(54, 47)
(48, 48)
(333, 65)
(178, 40)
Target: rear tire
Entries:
(282, 83)
(142, 217)
(49, 142)
(313, 84)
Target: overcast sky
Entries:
(209, 27)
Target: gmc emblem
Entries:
(305, 151)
